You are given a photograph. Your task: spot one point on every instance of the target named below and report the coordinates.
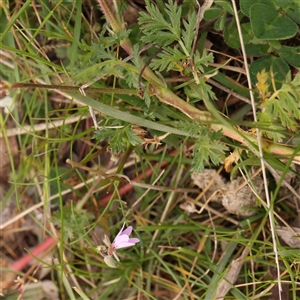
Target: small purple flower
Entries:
(122, 240)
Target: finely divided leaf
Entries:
(120, 138)
(160, 38)
(175, 16)
(168, 60)
(283, 106)
(208, 148)
(160, 29)
(189, 33)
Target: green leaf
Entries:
(212, 13)
(200, 61)
(276, 65)
(160, 38)
(231, 35)
(281, 109)
(208, 148)
(168, 61)
(268, 24)
(174, 13)
(120, 138)
(226, 5)
(132, 138)
(193, 127)
(160, 29)
(246, 5)
(291, 55)
(131, 79)
(73, 222)
(205, 90)
(275, 44)
(189, 31)
(292, 9)
(124, 116)
(153, 20)
(274, 132)
(257, 49)
(220, 23)
(285, 4)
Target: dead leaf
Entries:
(290, 237)
(231, 159)
(50, 289)
(231, 276)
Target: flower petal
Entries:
(122, 239)
(134, 240)
(127, 231)
(120, 232)
(124, 245)
(119, 240)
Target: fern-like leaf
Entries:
(119, 138)
(208, 148)
(283, 106)
(189, 31)
(168, 61)
(158, 28)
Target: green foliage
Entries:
(270, 22)
(291, 55)
(175, 107)
(98, 60)
(275, 130)
(204, 91)
(194, 128)
(212, 13)
(168, 61)
(281, 108)
(208, 148)
(119, 138)
(73, 224)
(275, 65)
(225, 5)
(165, 29)
(158, 28)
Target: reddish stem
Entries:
(21, 263)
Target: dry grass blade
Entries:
(231, 275)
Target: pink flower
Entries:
(122, 240)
